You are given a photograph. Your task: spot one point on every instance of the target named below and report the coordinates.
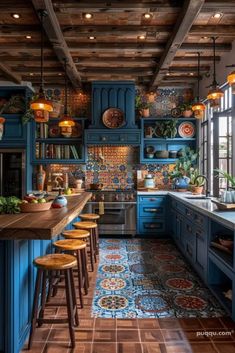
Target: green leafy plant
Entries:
(9, 205)
(185, 166)
(14, 105)
(230, 179)
(194, 180)
(185, 106)
(29, 114)
(141, 102)
(167, 129)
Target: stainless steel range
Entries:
(117, 209)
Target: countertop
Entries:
(206, 207)
(42, 225)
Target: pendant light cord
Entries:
(42, 14)
(65, 88)
(198, 76)
(214, 73)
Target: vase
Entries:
(40, 178)
(60, 201)
(197, 190)
(187, 113)
(144, 112)
(182, 183)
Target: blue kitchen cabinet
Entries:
(151, 215)
(101, 136)
(15, 133)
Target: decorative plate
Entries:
(54, 130)
(186, 129)
(77, 130)
(113, 118)
(176, 112)
(157, 130)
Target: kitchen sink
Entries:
(202, 197)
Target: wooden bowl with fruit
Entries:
(34, 204)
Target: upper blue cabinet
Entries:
(14, 133)
(113, 114)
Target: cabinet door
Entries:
(151, 226)
(179, 235)
(189, 241)
(201, 251)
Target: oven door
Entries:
(119, 217)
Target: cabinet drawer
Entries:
(151, 210)
(152, 226)
(153, 200)
(200, 220)
(101, 137)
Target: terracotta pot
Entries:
(187, 113)
(144, 113)
(197, 190)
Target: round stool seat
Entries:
(89, 216)
(70, 244)
(85, 225)
(76, 234)
(55, 262)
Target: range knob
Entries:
(93, 197)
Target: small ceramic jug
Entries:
(149, 131)
(60, 201)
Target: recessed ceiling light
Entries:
(31, 74)
(15, 15)
(168, 74)
(59, 74)
(28, 37)
(147, 15)
(88, 16)
(204, 37)
(142, 37)
(91, 37)
(191, 74)
(217, 15)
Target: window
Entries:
(216, 142)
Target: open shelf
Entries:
(168, 117)
(160, 139)
(223, 256)
(59, 140)
(217, 290)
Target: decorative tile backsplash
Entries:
(115, 167)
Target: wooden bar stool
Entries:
(78, 249)
(45, 264)
(94, 218)
(91, 227)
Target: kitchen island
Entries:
(23, 237)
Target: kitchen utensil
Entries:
(173, 154)
(186, 129)
(162, 154)
(113, 118)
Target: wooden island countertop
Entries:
(42, 225)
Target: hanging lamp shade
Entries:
(41, 106)
(198, 109)
(231, 81)
(66, 121)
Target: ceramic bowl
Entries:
(150, 149)
(173, 154)
(226, 242)
(162, 154)
(150, 155)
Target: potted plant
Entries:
(55, 97)
(142, 106)
(186, 110)
(196, 182)
(184, 168)
(167, 129)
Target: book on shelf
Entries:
(42, 131)
(52, 151)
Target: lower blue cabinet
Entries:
(151, 215)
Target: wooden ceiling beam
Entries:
(223, 6)
(184, 22)
(192, 59)
(55, 36)
(11, 75)
(213, 30)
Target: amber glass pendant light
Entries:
(198, 107)
(215, 92)
(41, 106)
(231, 79)
(66, 123)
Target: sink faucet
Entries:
(207, 191)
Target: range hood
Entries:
(113, 94)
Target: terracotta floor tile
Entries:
(190, 323)
(225, 335)
(61, 347)
(59, 334)
(173, 335)
(211, 323)
(105, 336)
(225, 347)
(169, 323)
(129, 348)
(205, 348)
(104, 348)
(151, 336)
(105, 324)
(82, 335)
(37, 347)
(178, 348)
(127, 324)
(128, 336)
(41, 334)
(153, 347)
(148, 323)
(228, 322)
(87, 324)
(193, 335)
(82, 348)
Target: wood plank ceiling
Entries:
(117, 42)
